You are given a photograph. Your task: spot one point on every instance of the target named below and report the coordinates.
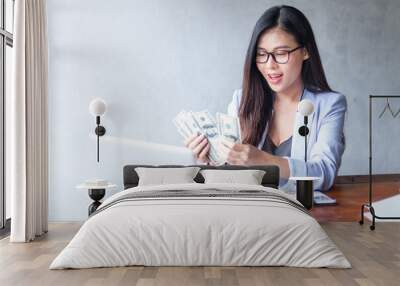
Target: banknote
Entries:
(229, 127)
(187, 126)
(209, 128)
(224, 128)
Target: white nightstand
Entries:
(96, 193)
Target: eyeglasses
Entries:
(280, 57)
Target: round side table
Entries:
(96, 193)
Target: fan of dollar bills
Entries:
(224, 128)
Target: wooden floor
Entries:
(374, 255)
(349, 199)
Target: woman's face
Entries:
(280, 77)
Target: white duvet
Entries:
(184, 231)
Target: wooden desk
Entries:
(349, 199)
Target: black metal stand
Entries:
(100, 131)
(304, 188)
(369, 204)
(96, 195)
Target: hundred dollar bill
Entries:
(225, 129)
(187, 127)
(186, 123)
(181, 126)
(229, 127)
(209, 128)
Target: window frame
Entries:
(6, 39)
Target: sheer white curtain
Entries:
(28, 157)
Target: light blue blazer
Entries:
(325, 144)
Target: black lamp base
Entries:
(96, 195)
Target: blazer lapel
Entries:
(297, 150)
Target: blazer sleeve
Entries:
(326, 153)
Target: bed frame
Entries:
(270, 179)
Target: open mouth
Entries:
(275, 76)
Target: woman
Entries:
(282, 67)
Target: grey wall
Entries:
(150, 59)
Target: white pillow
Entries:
(248, 177)
(163, 176)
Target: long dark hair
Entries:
(256, 104)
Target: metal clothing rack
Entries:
(369, 204)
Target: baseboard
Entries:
(357, 179)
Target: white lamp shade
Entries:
(306, 107)
(97, 107)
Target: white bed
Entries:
(224, 225)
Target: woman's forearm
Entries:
(247, 154)
(282, 163)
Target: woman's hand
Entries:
(200, 147)
(243, 154)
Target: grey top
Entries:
(284, 149)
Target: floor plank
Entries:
(349, 199)
(375, 257)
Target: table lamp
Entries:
(304, 185)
